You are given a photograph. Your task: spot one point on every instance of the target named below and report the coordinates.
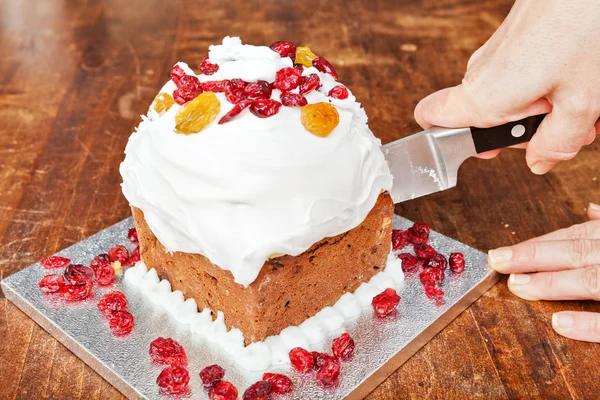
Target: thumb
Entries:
(560, 136)
(465, 105)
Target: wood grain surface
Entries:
(75, 75)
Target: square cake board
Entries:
(382, 345)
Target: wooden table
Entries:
(75, 75)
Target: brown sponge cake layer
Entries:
(289, 289)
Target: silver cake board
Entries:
(382, 345)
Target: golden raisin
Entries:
(162, 102)
(304, 56)
(320, 119)
(196, 114)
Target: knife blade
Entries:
(428, 162)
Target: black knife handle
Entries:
(506, 135)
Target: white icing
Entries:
(242, 191)
(185, 313)
(274, 350)
(348, 306)
(365, 293)
(292, 337)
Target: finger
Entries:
(463, 106)
(573, 284)
(545, 256)
(577, 325)
(591, 136)
(486, 155)
(594, 211)
(560, 136)
(589, 230)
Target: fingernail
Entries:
(501, 255)
(519, 279)
(594, 206)
(541, 167)
(562, 320)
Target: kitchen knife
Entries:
(428, 162)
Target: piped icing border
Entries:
(273, 350)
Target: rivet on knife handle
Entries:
(506, 135)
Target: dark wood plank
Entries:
(75, 75)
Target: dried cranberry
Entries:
(287, 79)
(112, 302)
(457, 262)
(119, 253)
(167, 351)
(419, 233)
(329, 372)
(280, 384)
(424, 251)
(132, 235)
(177, 73)
(338, 92)
(234, 90)
(258, 391)
(343, 346)
(324, 66)
(257, 90)
(409, 262)
(223, 391)
(284, 49)
(121, 322)
(55, 262)
(77, 292)
(237, 108)
(76, 274)
(399, 239)
(52, 283)
(433, 292)
(212, 375)
(320, 358)
(188, 88)
(173, 380)
(134, 257)
(101, 260)
(208, 68)
(302, 360)
(105, 275)
(437, 261)
(432, 276)
(290, 99)
(385, 302)
(214, 86)
(309, 83)
(264, 108)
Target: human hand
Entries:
(562, 265)
(544, 58)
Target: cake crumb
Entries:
(408, 47)
(506, 225)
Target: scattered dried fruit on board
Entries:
(302, 360)
(385, 302)
(52, 283)
(55, 262)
